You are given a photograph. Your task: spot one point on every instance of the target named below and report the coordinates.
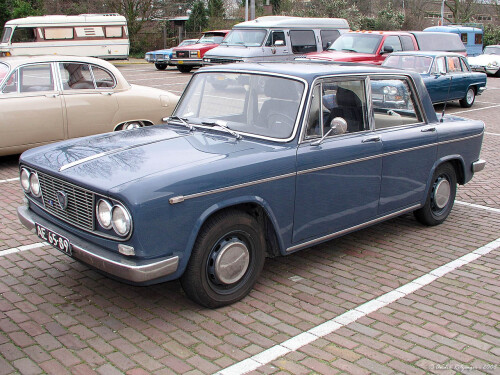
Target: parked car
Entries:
(446, 75)
(273, 38)
(488, 62)
(187, 58)
(161, 58)
(264, 164)
(50, 98)
(372, 47)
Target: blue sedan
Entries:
(161, 58)
(447, 76)
(257, 160)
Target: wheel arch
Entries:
(145, 122)
(458, 164)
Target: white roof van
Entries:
(276, 38)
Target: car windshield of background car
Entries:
(252, 104)
(248, 38)
(419, 64)
(361, 43)
(491, 50)
(211, 38)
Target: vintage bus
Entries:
(96, 35)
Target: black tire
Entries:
(469, 98)
(441, 196)
(226, 234)
(184, 68)
(497, 74)
(161, 66)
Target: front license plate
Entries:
(180, 62)
(56, 240)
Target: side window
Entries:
(37, 77)
(303, 41)
(275, 36)
(394, 103)
(439, 66)
(24, 35)
(394, 42)
(76, 76)
(454, 65)
(464, 38)
(465, 66)
(328, 37)
(337, 99)
(113, 31)
(479, 39)
(407, 43)
(11, 83)
(58, 33)
(103, 79)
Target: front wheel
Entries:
(441, 197)
(226, 260)
(184, 68)
(468, 101)
(161, 66)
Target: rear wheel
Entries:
(184, 68)
(468, 101)
(441, 196)
(161, 66)
(131, 125)
(226, 261)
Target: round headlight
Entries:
(121, 220)
(104, 214)
(25, 180)
(35, 185)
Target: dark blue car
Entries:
(258, 160)
(446, 75)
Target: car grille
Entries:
(216, 60)
(183, 54)
(80, 209)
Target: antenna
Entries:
(447, 98)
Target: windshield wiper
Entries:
(349, 50)
(183, 121)
(223, 127)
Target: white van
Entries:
(276, 38)
(96, 35)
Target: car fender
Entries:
(437, 163)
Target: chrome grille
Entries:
(182, 54)
(80, 209)
(216, 60)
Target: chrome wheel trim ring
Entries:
(442, 193)
(232, 262)
(470, 96)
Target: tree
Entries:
(216, 9)
(198, 20)
(4, 14)
(328, 8)
(415, 13)
(462, 11)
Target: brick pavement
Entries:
(57, 316)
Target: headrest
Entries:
(347, 98)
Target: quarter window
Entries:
(407, 43)
(394, 103)
(303, 41)
(103, 78)
(332, 100)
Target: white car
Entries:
(488, 62)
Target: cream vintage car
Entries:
(50, 98)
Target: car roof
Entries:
(308, 70)
(17, 60)
(379, 32)
(427, 53)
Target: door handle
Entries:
(431, 129)
(371, 139)
(52, 95)
(107, 93)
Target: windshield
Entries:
(6, 34)
(492, 50)
(252, 104)
(187, 42)
(361, 43)
(249, 38)
(419, 64)
(209, 38)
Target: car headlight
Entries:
(35, 185)
(103, 214)
(121, 220)
(195, 54)
(25, 180)
(390, 90)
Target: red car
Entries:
(189, 57)
(367, 46)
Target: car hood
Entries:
(238, 52)
(105, 162)
(484, 59)
(339, 56)
(194, 47)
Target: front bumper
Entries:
(187, 61)
(122, 267)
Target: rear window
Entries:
(429, 41)
(303, 41)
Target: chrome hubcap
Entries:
(232, 262)
(470, 96)
(442, 192)
(132, 125)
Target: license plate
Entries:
(180, 62)
(56, 240)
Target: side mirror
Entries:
(338, 126)
(279, 43)
(387, 49)
(328, 45)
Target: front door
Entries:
(277, 47)
(338, 164)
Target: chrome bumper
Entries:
(129, 269)
(478, 166)
(186, 61)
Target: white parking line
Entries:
(491, 133)
(496, 210)
(296, 342)
(475, 109)
(22, 248)
(9, 180)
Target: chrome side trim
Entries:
(478, 166)
(114, 264)
(182, 198)
(351, 229)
